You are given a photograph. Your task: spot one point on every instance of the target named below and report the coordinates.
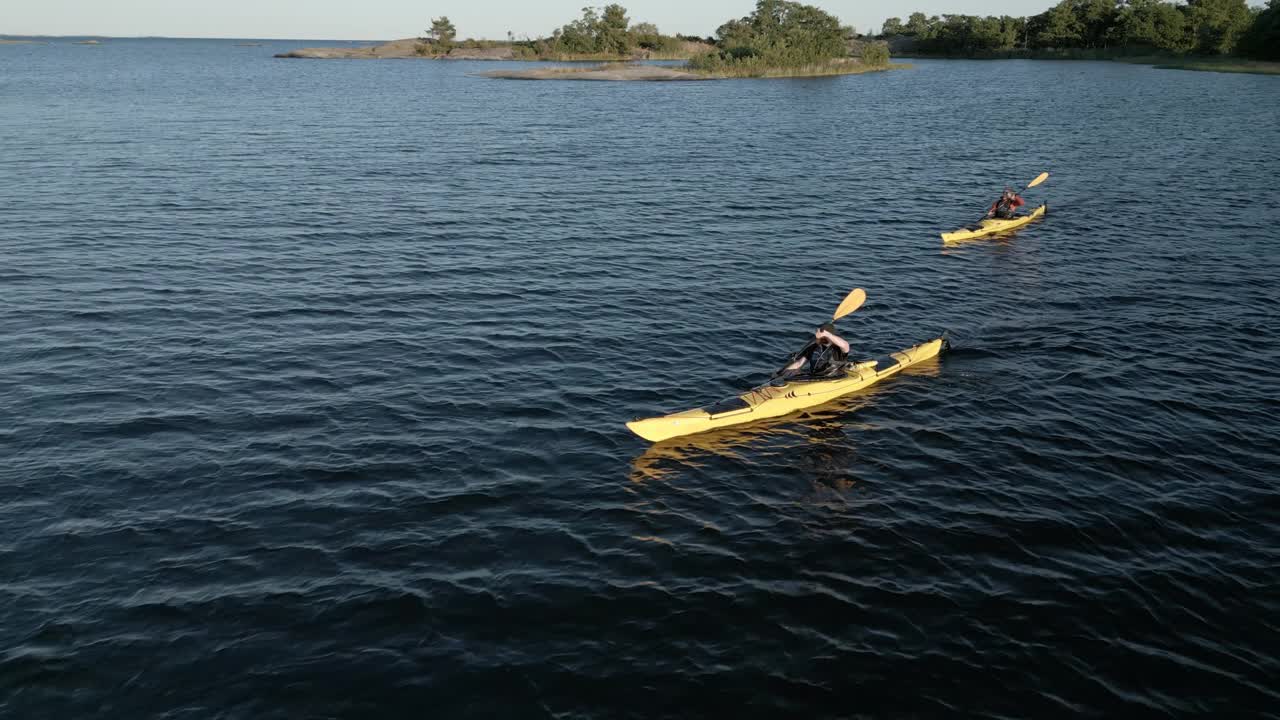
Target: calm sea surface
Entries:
(313, 377)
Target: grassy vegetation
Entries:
(573, 57)
(1128, 55)
(839, 66)
(1223, 65)
(576, 70)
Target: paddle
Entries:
(852, 302)
(1039, 179)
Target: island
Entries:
(779, 39)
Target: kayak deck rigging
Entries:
(783, 396)
(990, 226)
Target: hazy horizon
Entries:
(391, 19)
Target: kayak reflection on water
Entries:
(825, 355)
(816, 445)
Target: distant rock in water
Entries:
(398, 50)
(615, 72)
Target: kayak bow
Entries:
(994, 225)
(785, 397)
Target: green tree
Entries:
(917, 24)
(1262, 41)
(779, 34)
(734, 33)
(966, 34)
(646, 35)
(578, 36)
(1218, 25)
(1152, 24)
(932, 26)
(442, 31)
(954, 34)
(1059, 27)
(598, 31)
(1096, 19)
(892, 26)
(784, 34)
(875, 54)
(611, 31)
(996, 33)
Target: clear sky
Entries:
(390, 19)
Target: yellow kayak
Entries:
(782, 398)
(994, 225)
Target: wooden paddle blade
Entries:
(851, 303)
(1039, 179)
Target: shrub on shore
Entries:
(875, 54)
(778, 34)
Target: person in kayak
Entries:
(1005, 207)
(825, 354)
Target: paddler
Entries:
(1004, 207)
(825, 354)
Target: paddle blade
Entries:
(1039, 179)
(851, 303)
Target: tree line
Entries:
(1207, 27)
(604, 32)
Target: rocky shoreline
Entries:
(641, 72)
(406, 49)
(617, 71)
(611, 72)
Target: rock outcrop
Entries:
(406, 49)
(613, 72)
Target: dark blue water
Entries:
(313, 377)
